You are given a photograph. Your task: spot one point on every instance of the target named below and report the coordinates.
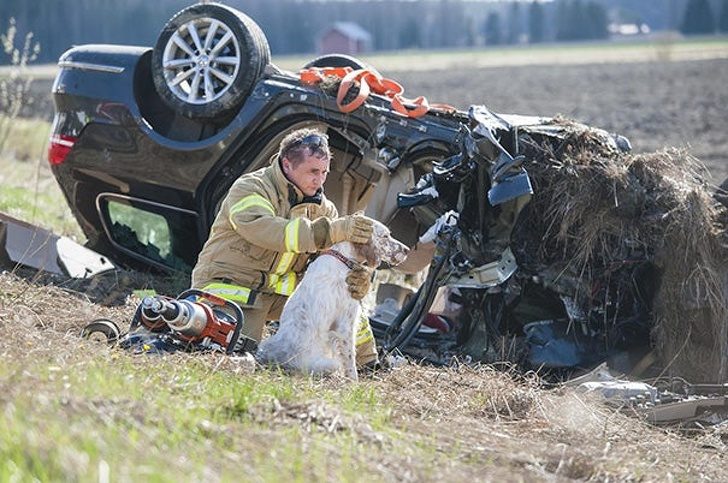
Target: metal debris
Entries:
(31, 246)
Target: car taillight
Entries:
(59, 148)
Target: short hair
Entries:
(304, 142)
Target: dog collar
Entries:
(351, 264)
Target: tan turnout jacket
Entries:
(262, 237)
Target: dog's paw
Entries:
(323, 366)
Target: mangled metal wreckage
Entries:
(561, 249)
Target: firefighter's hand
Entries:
(354, 228)
(359, 281)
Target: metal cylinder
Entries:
(149, 309)
(191, 318)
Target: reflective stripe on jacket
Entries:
(262, 237)
(234, 293)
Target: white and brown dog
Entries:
(317, 327)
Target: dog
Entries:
(316, 334)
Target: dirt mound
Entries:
(622, 229)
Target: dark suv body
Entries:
(130, 153)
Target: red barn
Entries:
(344, 38)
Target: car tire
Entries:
(207, 60)
(337, 60)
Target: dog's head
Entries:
(382, 248)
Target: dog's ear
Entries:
(373, 258)
(368, 252)
(390, 251)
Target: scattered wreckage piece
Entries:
(706, 409)
(37, 253)
(28, 245)
(674, 402)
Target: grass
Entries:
(28, 190)
(71, 409)
(68, 420)
(27, 139)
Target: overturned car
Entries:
(558, 248)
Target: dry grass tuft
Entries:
(481, 391)
(314, 415)
(57, 311)
(111, 288)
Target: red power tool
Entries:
(195, 320)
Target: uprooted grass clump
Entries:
(596, 211)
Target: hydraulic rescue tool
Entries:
(194, 321)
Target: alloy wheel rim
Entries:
(201, 61)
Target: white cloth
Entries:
(448, 219)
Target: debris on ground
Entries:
(23, 244)
(40, 256)
(667, 401)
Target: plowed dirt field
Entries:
(654, 104)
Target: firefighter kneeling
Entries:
(269, 224)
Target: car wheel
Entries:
(207, 60)
(337, 60)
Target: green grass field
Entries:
(658, 49)
(28, 190)
(179, 419)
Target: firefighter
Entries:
(268, 225)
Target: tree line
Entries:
(293, 26)
(700, 18)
